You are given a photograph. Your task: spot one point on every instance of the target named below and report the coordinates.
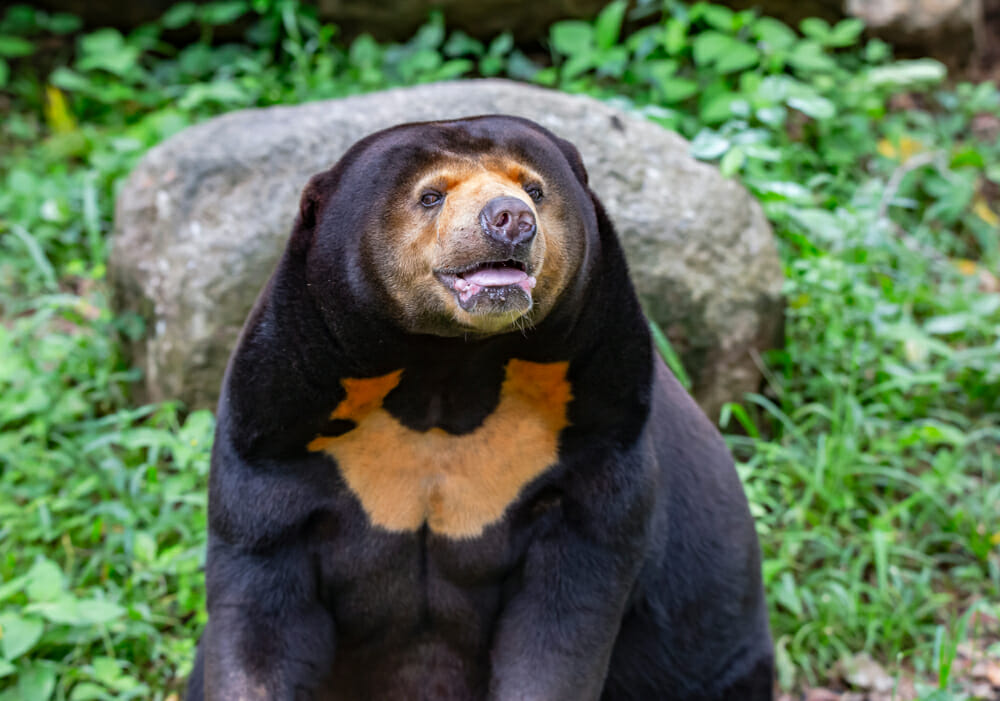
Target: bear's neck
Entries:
(288, 375)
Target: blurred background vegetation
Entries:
(871, 455)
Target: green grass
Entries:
(870, 456)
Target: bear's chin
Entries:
(490, 316)
(498, 318)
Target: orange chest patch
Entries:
(456, 484)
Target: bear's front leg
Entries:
(268, 635)
(555, 636)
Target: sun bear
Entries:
(448, 464)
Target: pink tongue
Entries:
(496, 277)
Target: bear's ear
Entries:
(573, 156)
(314, 196)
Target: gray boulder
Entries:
(204, 217)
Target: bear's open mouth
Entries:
(492, 278)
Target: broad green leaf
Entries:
(222, 12)
(88, 691)
(461, 44)
(178, 15)
(36, 683)
(63, 23)
(612, 62)
(939, 433)
(420, 64)
(815, 28)
(717, 108)
(662, 74)
(846, 32)
(520, 67)
(818, 221)
(775, 35)
(572, 37)
(771, 116)
(643, 42)
(710, 46)
(608, 25)
(718, 16)
(738, 107)
(967, 157)
(68, 79)
(577, 65)
(490, 65)
(738, 57)
(808, 56)
(431, 34)
(708, 145)
(8, 589)
(99, 611)
(15, 47)
(106, 670)
(786, 594)
(225, 92)
(675, 90)
(65, 610)
(905, 74)
(732, 162)
(77, 612)
(675, 36)
(365, 51)
(726, 53)
(986, 306)
(546, 76)
(19, 634)
(501, 45)
(946, 324)
(4, 73)
(814, 106)
(106, 50)
(144, 547)
(456, 68)
(877, 51)
(763, 153)
(45, 581)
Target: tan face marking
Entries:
(457, 484)
(416, 241)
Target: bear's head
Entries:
(469, 227)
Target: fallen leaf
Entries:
(885, 148)
(57, 112)
(988, 282)
(903, 151)
(862, 672)
(993, 674)
(981, 691)
(984, 212)
(966, 266)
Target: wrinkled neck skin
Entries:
(286, 376)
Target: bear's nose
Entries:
(508, 220)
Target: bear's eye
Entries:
(431, 198)
(534, 191)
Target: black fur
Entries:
(629, 570)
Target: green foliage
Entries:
(870, 456)
(103, 514)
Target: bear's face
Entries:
(475, 226)
(479, 241)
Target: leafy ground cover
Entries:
(871, 455)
